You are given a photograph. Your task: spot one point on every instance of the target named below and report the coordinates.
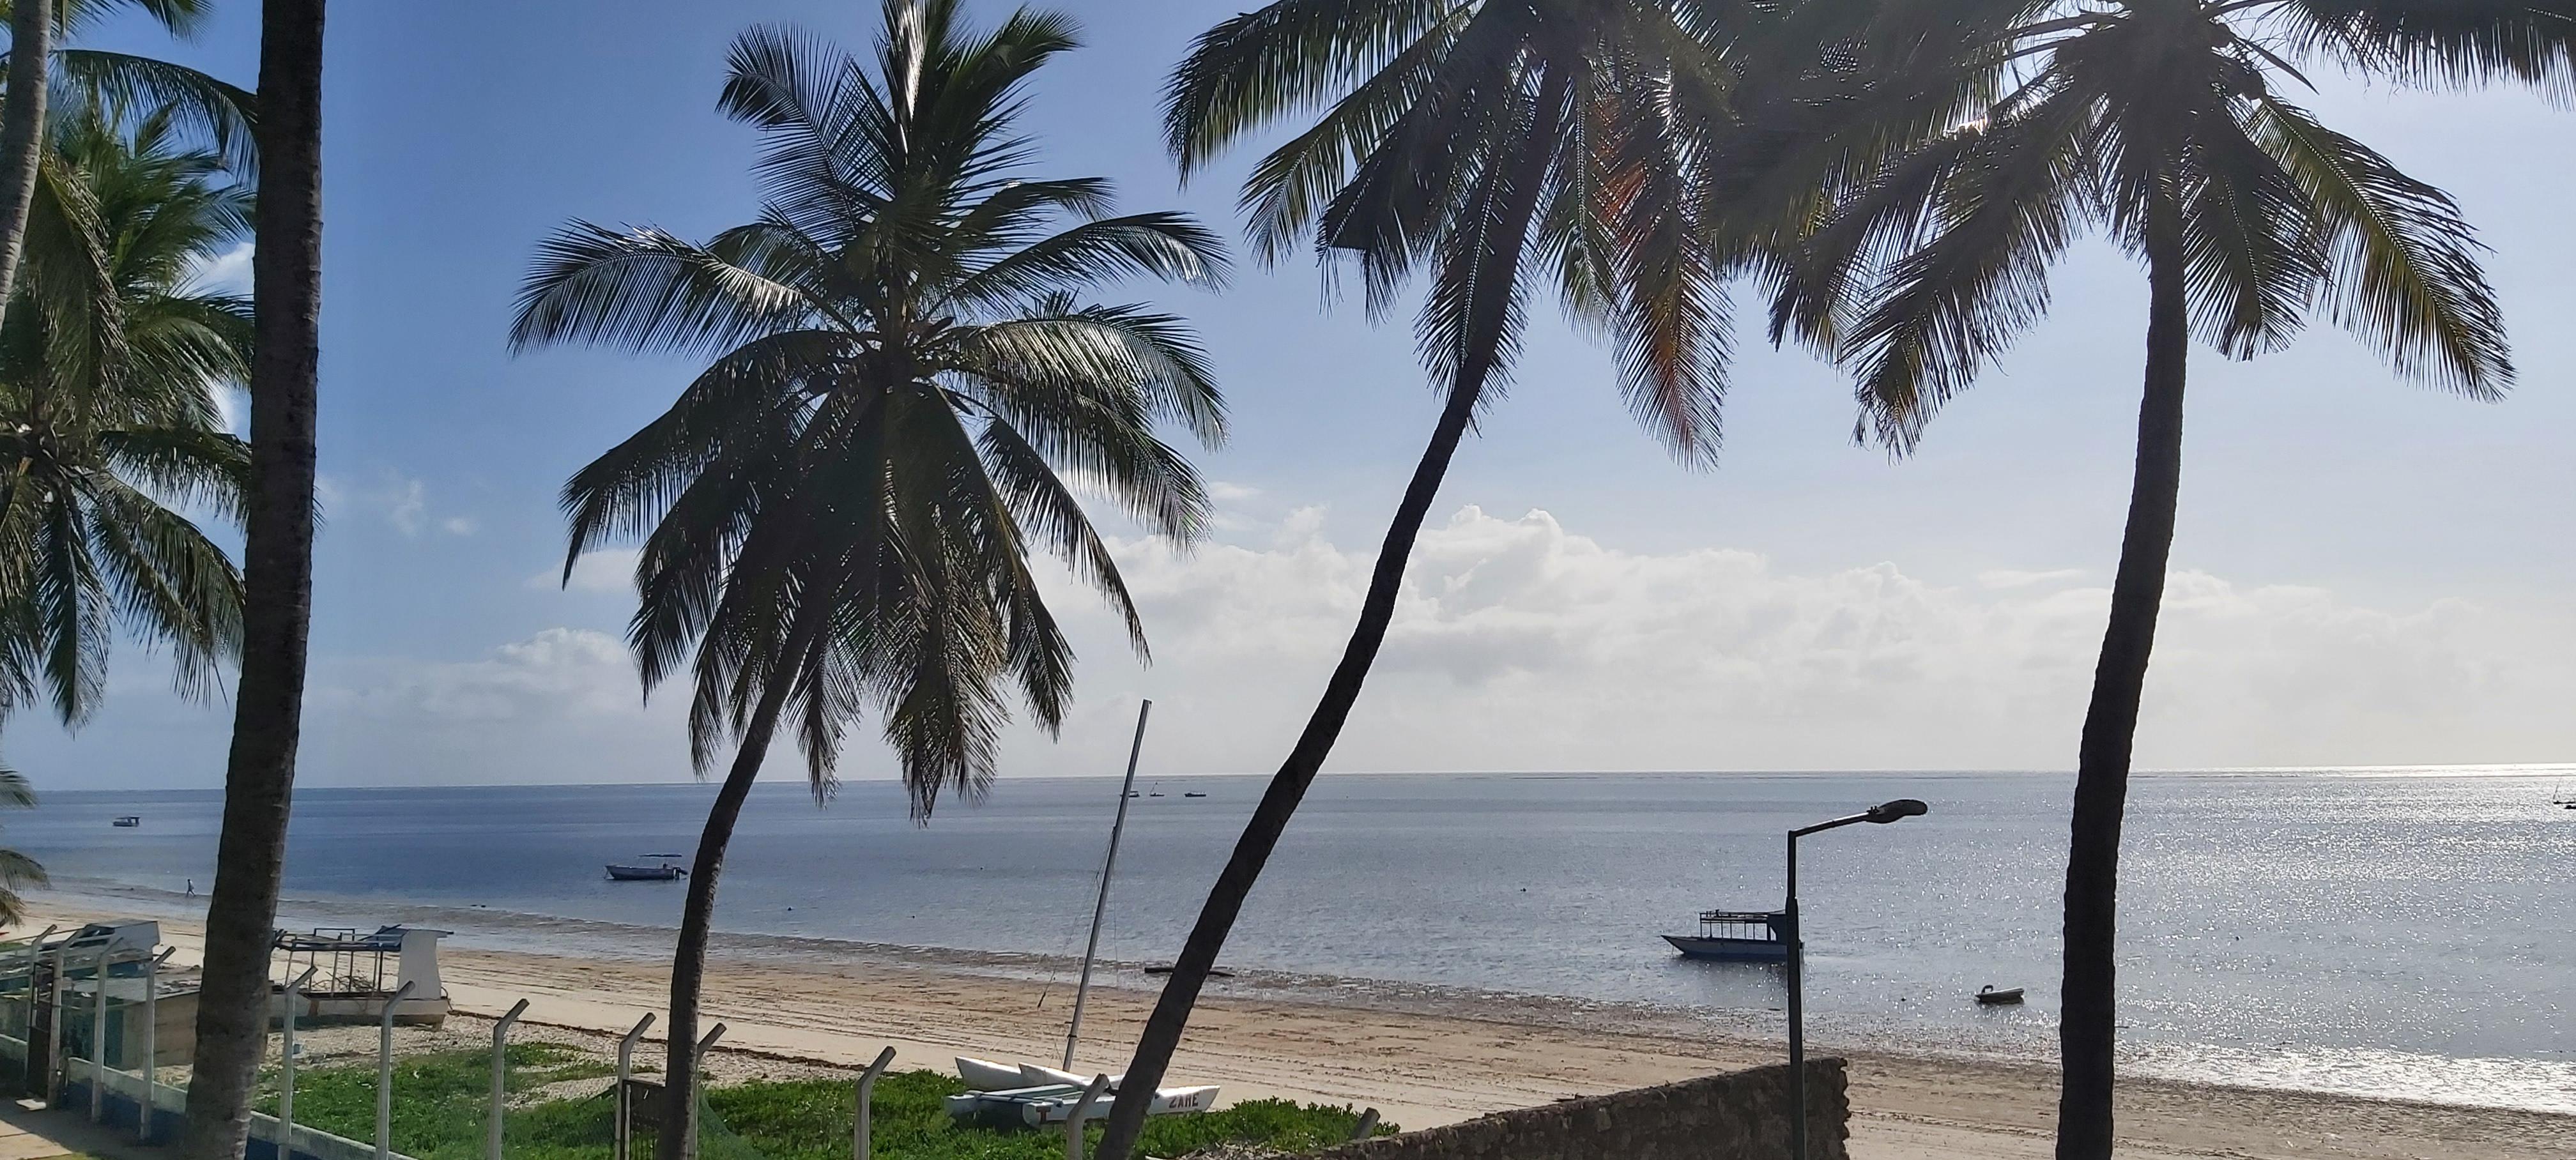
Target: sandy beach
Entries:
(789, 1015)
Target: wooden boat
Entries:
(1193, 793)
(1740, 936)
(127, 821)
(664, 870)
(1990, 997)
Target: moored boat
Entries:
(1742, 936)
(664, 869)
(1990, 997)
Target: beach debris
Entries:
(1213, 972)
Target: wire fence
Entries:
(105, 1028)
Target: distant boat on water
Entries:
(126, 821)
(1988, 996)
(1193, 793)
(664, 870)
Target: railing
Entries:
(82, 1029)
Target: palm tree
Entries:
(16, 869)
(836, 515)
(222, 112)
(2163, 123)
(107, 410)
(1586, 142)
(277, 605)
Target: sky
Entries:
(2366, 572)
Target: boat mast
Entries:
(1108, 866)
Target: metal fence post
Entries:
(1368, 1125)
(286, 1068)
(151, 1050)
(500, 1090)
(697, 1055)
(622, 1134)
(867, 1092)
(98, 1038)
(27, 1030)
(385, 1072)
(54, 1032)
(1082, 1112)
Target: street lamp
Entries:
(1876, 815)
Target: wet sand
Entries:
(1419, 1069)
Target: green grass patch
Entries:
(441, 1101)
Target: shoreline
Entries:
(836, 1004)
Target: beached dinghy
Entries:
(984, 1075)
(1028, 1095)
(1990, 997)
(1054, 1104)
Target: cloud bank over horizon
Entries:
(1520, 645)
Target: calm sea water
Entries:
(2398, 933)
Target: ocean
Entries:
(2396, 933)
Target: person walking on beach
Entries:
(192, 888)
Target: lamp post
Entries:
(1877, 815)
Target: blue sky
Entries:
(2368, 572)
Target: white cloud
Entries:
(1518, 644)
(608, 570)
(401, 501)
(227, 272)
(232, 410)
(2014, 578)
(1224, 492)
(558, 673)
(562, 705)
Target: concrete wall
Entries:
(1738, 1116)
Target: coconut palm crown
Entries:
(108, 374)
(2170, 126)
(909, 383)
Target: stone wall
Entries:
(1737, 1116)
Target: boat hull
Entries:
(644, 873)
(1732, 950)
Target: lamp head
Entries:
(1892, 811)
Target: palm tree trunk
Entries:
(1288, 787)
(22, 130)
(277, 607)
(679, 1125)
(2086, 1028)
(1261, 835)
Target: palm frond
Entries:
(1131, 347)
(1168, 246)
(2003, 214)
(171, 585)
(1287, 56)
(2403, 265)
(223, 116)
(2440, 42)
(649, 292)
